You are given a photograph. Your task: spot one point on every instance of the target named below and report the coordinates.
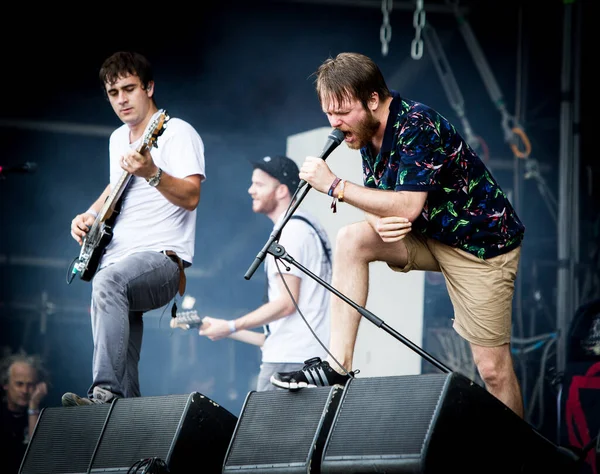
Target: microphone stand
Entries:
(273, 247)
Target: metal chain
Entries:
(416, 47)
(385, 32)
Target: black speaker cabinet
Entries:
(433, 423)
(181, 430)
(282, 432)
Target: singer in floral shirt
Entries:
(430, 204)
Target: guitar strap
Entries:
(182, 279)
(326, 249)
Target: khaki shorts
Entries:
(481, 291)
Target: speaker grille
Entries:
(77, 434)
(396, 418)
(280, 430)
(430, 424)
(178, 429)
(140, 428)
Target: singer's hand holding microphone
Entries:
(314, 171)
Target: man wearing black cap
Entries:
(292, 335)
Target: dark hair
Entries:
(350, 75)
(33, 361)
(125, 63)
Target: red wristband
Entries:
(336, 181)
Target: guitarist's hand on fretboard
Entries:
(80, 226)
(139, 164)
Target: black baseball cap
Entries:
(283, 169)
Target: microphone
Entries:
(335, 137)
(28, 167)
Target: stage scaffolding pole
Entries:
(568, 212)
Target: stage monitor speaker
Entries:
(282, 432)
(179, 430)
(433, 423)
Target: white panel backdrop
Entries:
(396, 298)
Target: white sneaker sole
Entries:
(290, 385)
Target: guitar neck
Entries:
(117, 192)
(114, 196)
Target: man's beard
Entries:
(266, 206)
(364, 132)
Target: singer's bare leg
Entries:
(495, 366)
(357, 245)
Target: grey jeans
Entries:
(121, 293)
(263, 382)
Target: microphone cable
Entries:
(346, 371)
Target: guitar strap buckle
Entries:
(182, 279)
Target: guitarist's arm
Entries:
(185, 321)
(183, 192)
(249, 337)
(276, 309)
(82, 222)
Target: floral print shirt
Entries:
(465, 206)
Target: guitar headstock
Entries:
(175, 324)
(155, 129)
(186, 320)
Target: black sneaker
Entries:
(100, 396)
(315, 373)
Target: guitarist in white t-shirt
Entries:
(292, 334)
(138, 236)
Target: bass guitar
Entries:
(101, 232)
(190, 319)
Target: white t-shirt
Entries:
(147, 220)
(290, 340)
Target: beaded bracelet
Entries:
(341, 191)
